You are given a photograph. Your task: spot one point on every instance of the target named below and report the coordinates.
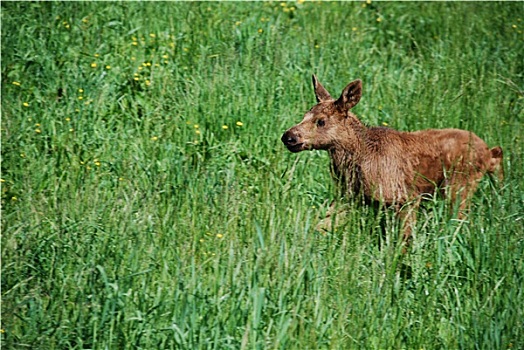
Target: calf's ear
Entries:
(350, 96)
(320, 93)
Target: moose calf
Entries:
(392, 167)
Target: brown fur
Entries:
(392, 167)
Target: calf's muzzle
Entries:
(291, 141)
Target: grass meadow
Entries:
(148, 203)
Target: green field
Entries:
(148, 203)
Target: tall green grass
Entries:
(148, 203)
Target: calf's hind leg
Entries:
(461, 190)
(407, 215)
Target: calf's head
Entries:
(328, 122)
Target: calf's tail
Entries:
(496, 167)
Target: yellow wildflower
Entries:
(25, 104)
(16, 83)
(224, 127)
(239, 123)
(93, 65)
(219, 235)
(154, 138)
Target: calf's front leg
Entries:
(335, 215)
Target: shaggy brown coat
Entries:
(392, 167)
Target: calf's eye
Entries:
(321, 122)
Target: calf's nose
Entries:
(288, 138)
